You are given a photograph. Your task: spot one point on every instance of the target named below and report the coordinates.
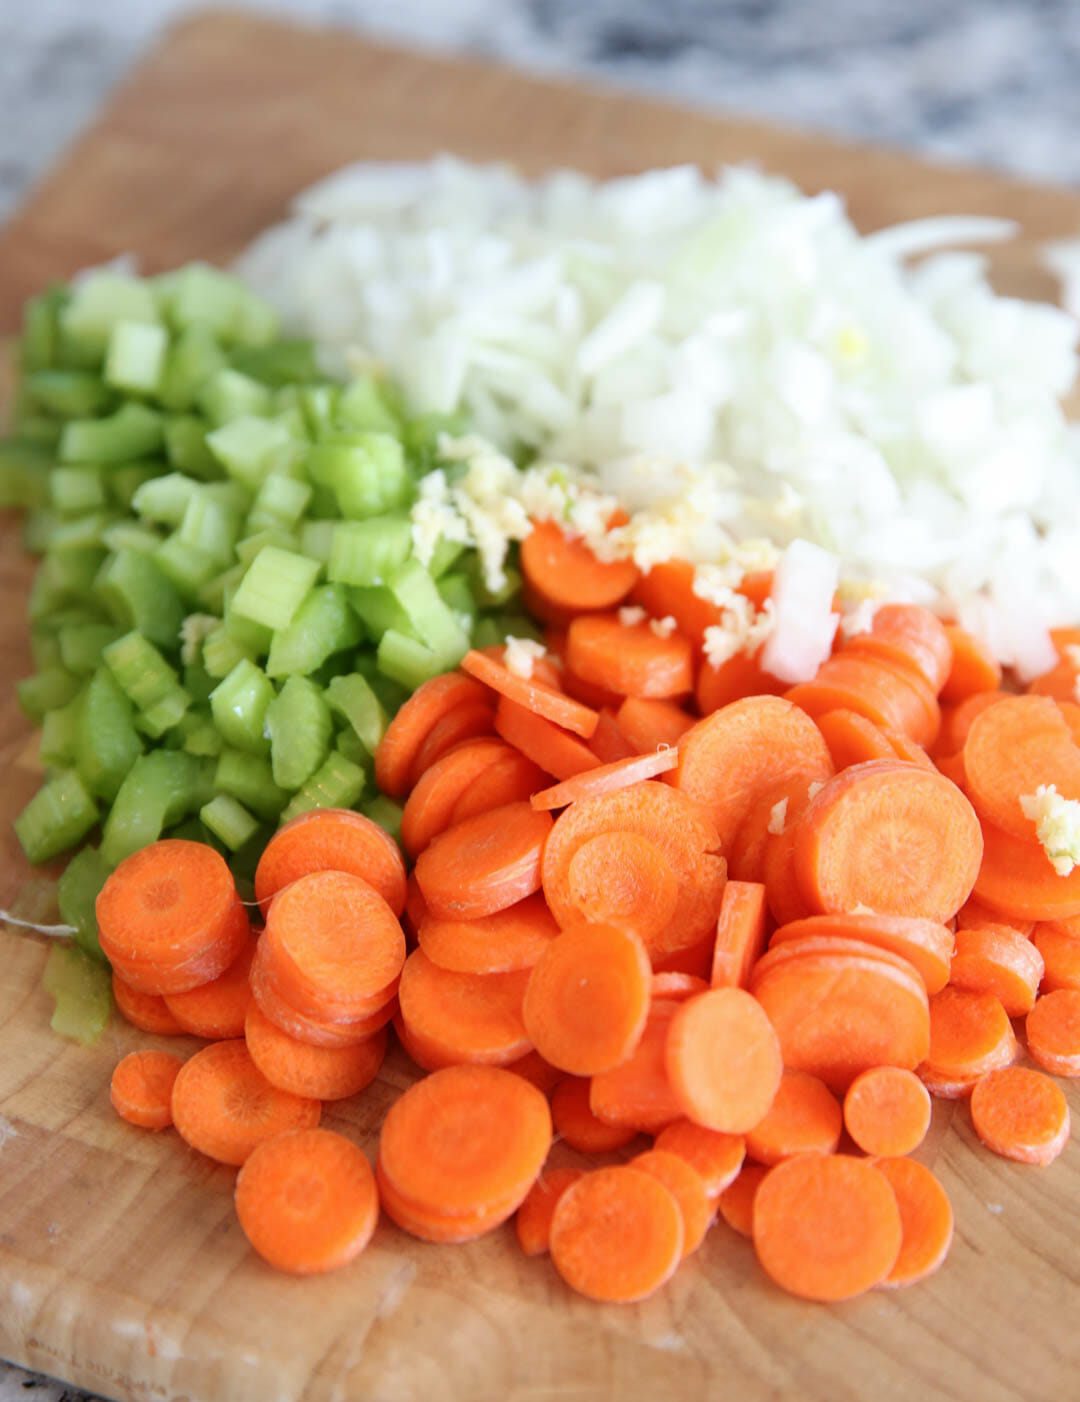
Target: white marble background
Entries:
(987, 81)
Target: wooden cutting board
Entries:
(122, 1268)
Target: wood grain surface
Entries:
(122, 1268)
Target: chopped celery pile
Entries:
(228, 609)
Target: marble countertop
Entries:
(985, 81)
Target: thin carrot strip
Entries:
(533, 696)
(608, 778)
(546, 745)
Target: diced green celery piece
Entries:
(38, 526)
(164, 499)
(249, 448)
(82, 988)
(337, 783)
(74, 490)
(45, 691)
(59, 815)
(39, 335)
(164, 715)
(70, 394)
(142, 673)
(133, 431)
(256, 323)
(202, 738)
(293, 419)
(125, 535)
(280, 501)
(406, 661)
(185, 566)
(135, 357)
(274, 587)
(447, 553)
(191, 830)
(391, 694)
(248, 548)
(316, 539)
(351, 746)
(186, 446)
(249, 779)
(324, 624)
(66, 576)
(198, 683)
(230, 820)
(24, 474)
(222, 651)
(278, 364)
(81, 645)
(300, 727)
(421, 438)
(77, 892)
(352, 698)
(210, 525)
(38, 430)
(138, 595)
(318, 404)
(194, 359)
(229, 395)
(160, 789)
(429, 617)
(45, 648)
(102, 300)
(455, 590)
(362, 406)
(379, 611)
(59, 732)
(493, 598)
(123, 481)
(239, 703)
(516, 625)
(367, 472)
(81, 532)
(256, 637)
(234, 496)
(369, 552)
(200, 295)
(386, 813)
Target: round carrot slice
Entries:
(677, 986)
(1060, 951)
(535, 1214)
(630, 659)
(587, 998)
(619, 877)
(1017, 880)
(723, 1060)
(974, 667)
(510, 939)
(307, 1201)
(886, 693)
(546, 745)
(465, 1139)
(1010, 750)
(412, 724)
(998, 960)
(852, 739)
(888, 838)
(973, 915)
(887, 1111)
(575, 1122)
(715, 1157)
(911, 636)
(429, 808)
(1021, 1114)
(926, 944)
(617, 1234)
(224, 1106)
(650, 724)
(737, 1200)
(316, 1032)
(738, 677)
(826, 1227)
(684, 1184)
(970, 1034)
(146, 1011)
(804, 1118)
(668, 590)
(464, 1017)
(217, 1010)
(317, 1073)
(162, 977)
(332, 839)
(511, 779)
(637, 1094)
(484, 864)
(141, 1088)
(566, 574)
(464, 722)
(429, 1224)
(1053, 1032)
(926, 1220)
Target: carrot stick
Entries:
(217, 1010)
(484, 864)
(631, 659)
(887, 1111)
(685, 1185)
(510, 939)
(587, 998)
(534, 1216)
(316, 1073)
(412, 724)
(637, 1094)
(564, 573)
(307, 1201)
(546, 745)
(141, 1088)
(649, 724)
(998, 960)
(146, 1011)
(533, 696)
(1010, 750)
(617, 1235)
(974, 667)
(723, 1060)
(925, 944)
(737, 1200)
(576, 1124)
(224, 1106)
(717, 1158)
(1053, 1032)
(804, 1118)
(926, 1220)
(608, 778)
(847, 1244)
(464, 722)
(970, 1034)
(429, 807)
(474, 1018)
(332, 839)
(1021, 1114)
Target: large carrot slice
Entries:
(475, 1018)
(317, 1032)
(565, 574)
(883, 692)
(1021, 1114)
(608, 778)
(631, 659)
(925, 944)
(217, 1010)
(484, 864)
(532, 695)
(429, 807)
(332, 839)
(926, 1220)
(511, 779)
(546, 745)
(723, 1060)
(1010, 750)
(740, 934)
(1017, 880)
(804, 1118)
(412, 724)
(510, 939)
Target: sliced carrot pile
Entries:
(307, 1201)
(142, 1086)
(911, 637)
(926, 1220)
(637, 1093)
(887, 1111)
(1052, 1031)
(332, 839)
(574, 1121)
(970, 1034)
(327, 1031)
(723, 1060)
(804, 1118)
(925, 944)
(736, 1202)
(429, 808)
(998, 960)
(973, 670)
(1010, 750)
(535, 1215)
(1021, 1114)
(510, 939)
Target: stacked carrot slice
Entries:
(761, 924)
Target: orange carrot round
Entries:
(630, 659)
(715, 1157)
(723, 1060)
(412, 724)
(549, 748)
(998, 960)
(429, 807)
(685, 1185)
(608, 743)
(535, 1215)
(1053, 1032)
(535, 696)
(926, 1220)
(566, 574)
(575, 1122)
(431, 1224)
(513, 778)
(317, 1032)
(484, 864)
(883, 692)
(146, 1011)
(804, 1118)
(974, 667)
(1060, 952)
(637, 1094)
(217, 1010)
(911, 636)
(1021, 1114)
(649, 724)
(852, 739)
(465, 722)
(608, 778)
(887, 1111)
(623, 878)
(510, 939)
(474, 1018)
(676, 985)
(736, 1202)
(1010, 750)
(332, 839)
(970, 1034)
(926, 944)
(142, 1086)
(1017, 880)
(316, 1073)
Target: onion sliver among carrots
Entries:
(485, 863)
(926, 1220)
(926, 944)
(1021, 1114)
(533, 696)
(575, 1122)
(510, 939)
(848, 1242)
(631, 659)
(1001, 961)
(413, 722)
(804, 1118)
(685, 1185)
(1017, 880)
(887, 1111)
(317, 1073)
(587, 998)
(617, 1234)
(141, 1088)
(474, 1018)
(723, 1060)
(729, 760)
(637, 1093)
(534, 1216)
(429, 808)
(740, 934)
(332, 839)
(608, 778)
(565, 573)
(888, 838)
(1010, 750)
(715, 1157)
(1053, 1032)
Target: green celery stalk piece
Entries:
(337, 783)
(135, 357)
(70, 394)
(140, 596)
(386, 813)
(324, 624)
(299, 723)
(59, 815)
(99, 302)
(368, 553)
(238, 705)
(366, 471)
(362, 406)
(249, 779)
(352, 698)
(194, 359)
(82, 988)
(274, 587)
(160, 789)
(133, 431)
(229, 820)
(106, 741)
(77, 892)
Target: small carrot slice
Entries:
(847, 1243)
(587, 998)
(740, 934)
(430, 1224)
(1053, 1032)
(715, 1157)
(429, 808)
(617, 1235)
(495, 944)
(677, 985)
(637, 1094)
(737, 1200)
(974, 667)
(484, 864)
(532, 696)
(566, 574)
(550, 748)
(465, 1139)
(464, 722)
(332, 839)
(684, 1184)
(307, 1201)
(956, 721)
(887, 1111)
(723, 1060)
(926, 944)
(630, 659)
(970, 1034)
(1060, 950)
(511, 779)
(141, 1088)
(224, 1106)
(911, 636)
(1021, 1114)
(926, 1220)
(535, 1215)
(475, 1018)
(891, 839)
(729, 760)
(998, 960)
(575, 1122)
(146, 1011)
(412, 724)
(316, 1073)
(804, 1118)
(649, 724)
(852, 739)
(599, 698)
(217, 1010)
(608, 778)
(1010, 750)
(693, 961)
